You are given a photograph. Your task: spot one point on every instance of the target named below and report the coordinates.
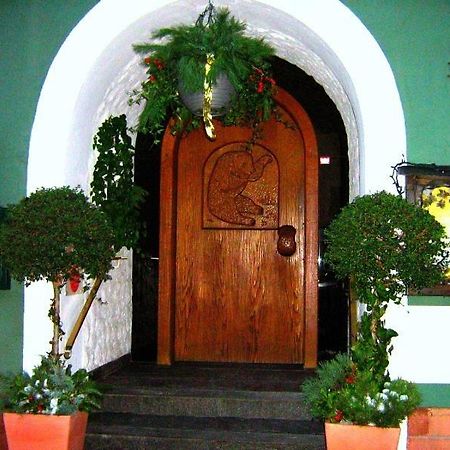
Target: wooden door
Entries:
(231, 296)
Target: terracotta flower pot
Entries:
(356, 437)
(41, 431)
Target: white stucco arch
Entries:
(96, 67)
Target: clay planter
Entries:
(41, 431)
(356, 437)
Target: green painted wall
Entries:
(437, 395)
(415, 37)
(31, 32)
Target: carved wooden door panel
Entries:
(236, 297)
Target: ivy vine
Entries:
(113, 188)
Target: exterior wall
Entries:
(415, 37)
(31, 33)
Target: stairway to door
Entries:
(204, 406)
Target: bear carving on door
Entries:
(240, 188)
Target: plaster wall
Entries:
(419, 350)
(95, 68)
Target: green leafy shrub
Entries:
(51, 389)
(48, 233)
(52, 235)
(342, 393)
(385, 245)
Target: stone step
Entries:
(114, 431)
(204, 406)
(261, 377)
(206, 403)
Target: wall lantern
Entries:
(428, 185)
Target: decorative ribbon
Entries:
(207, 99)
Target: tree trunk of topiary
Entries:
(55, 317)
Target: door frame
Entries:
(167, 237)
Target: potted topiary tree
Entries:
(48, 236)
(386, 246)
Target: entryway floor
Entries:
(253, 377)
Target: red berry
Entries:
(158, 63)
(350, 379)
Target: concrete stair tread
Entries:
(198, 442)
(195, 382)
(209, 404)
(101, 419)
(213, 376)
(205, 428)
(204, 393)
(187, 368)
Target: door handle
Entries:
(286, 245)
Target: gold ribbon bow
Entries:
(207, 99)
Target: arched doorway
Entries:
(335, 48)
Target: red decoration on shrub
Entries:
(338, 416)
